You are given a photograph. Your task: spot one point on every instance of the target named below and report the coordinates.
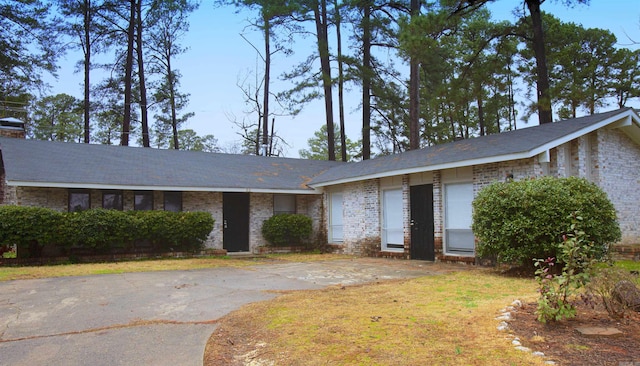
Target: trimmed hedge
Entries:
(287, 229)
(29, 228)
(171, 231)
(102, 231)
(98, 229)
(521, 220)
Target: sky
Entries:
(218, 57)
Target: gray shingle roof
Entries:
(511, 145)
(54, 164)
(44, 163)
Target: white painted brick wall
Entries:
(618, 173)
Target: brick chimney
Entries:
(12, 127)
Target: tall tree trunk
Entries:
(172, 100)
(414, 91)
(141, 79)
(87, 68)
(481, 120)
(126, 122)
(544, 99)
(366, 80)
(512, 103)
(273, 123)
(343, 135)
(267, 79)
(320, 15)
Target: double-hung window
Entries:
(459, 239)
(392, 225)
(336, 231)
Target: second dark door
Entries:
(422, 242)
(235, 221)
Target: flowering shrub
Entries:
(577, 256)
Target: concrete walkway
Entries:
(155, 318)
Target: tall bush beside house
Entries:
(287, 229)
(518, 221)
(29, 228)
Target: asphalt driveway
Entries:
(155, 318)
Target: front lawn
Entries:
(446, 319)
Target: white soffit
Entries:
(155, 188)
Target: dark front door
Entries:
(422, 222)
(235, 221)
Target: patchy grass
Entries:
(169, 264)
(628, 265)
(444, 319)
(308, 257)
(86, 269)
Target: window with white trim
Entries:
(336, 229)
(459, 239)
(284, 203)
(392, 227)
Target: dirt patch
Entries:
(562, 343)
(237, 342)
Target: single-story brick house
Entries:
(416, 204)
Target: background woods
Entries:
(403, 74)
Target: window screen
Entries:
(336, 234)
(392, 230)
(143, 201)
(112, 200)
(284, 203)
(173, 201)
(459, 238)
(79, 200)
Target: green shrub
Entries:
(174, 231)
(193, 229)
(99, 229)
(29, 228)
(521, 220)
(154, 228)
(102, 231)
(286, 229)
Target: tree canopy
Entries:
(426, 73)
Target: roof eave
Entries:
(626, 118)
(67, 185)
(423, 169)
